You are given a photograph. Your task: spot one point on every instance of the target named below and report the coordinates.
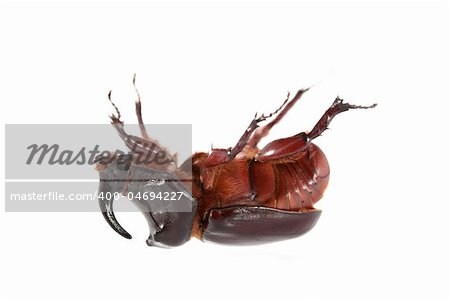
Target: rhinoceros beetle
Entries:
(241, 195)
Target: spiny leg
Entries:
(139, 111)
(142, 128)
(243, 141)
(136, 144)
(263, 131)
(337, 107)
(118, 124)
(293, 148)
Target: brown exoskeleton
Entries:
(240, 195)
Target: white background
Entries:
(384, 231)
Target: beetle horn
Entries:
(106, 206)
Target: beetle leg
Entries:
(263, 131)
(143, 146)
(294, 147)
(244, 140)
(337, 107)
(144, 133)
(139, 111)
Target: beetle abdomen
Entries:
(294, 185)
(302, 183)
(278, 204)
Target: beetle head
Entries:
(169, 219)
